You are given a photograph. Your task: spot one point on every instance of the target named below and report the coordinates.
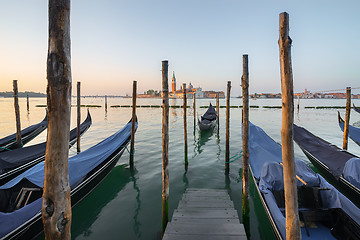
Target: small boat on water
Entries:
(16, 161)
(356, 108)
(324, 212)
(22, 219)
(27, 134)
(335, 164)
(354, 132)
(208, 120)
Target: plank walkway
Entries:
(205, 214)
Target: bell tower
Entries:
(173, 83)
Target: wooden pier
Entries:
(205, 214)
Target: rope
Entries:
(22, 144)
(6, 149)
(129, 151)
(338, 90)
(235, 157)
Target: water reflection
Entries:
(136, 225)
(204, 137)
(82, 218)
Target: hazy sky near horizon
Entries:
(114, 42)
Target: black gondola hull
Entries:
(267, 211)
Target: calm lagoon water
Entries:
(127, 205)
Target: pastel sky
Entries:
(114, 42)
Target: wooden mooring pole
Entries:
(17, 114)
(165, 146)
(105, 102)
(298, 103)
(133, 121)
(287, 96)
(56, 208)
(347, 118)
(78, 118)
(27, 103)
(245, 137)
(194, 107)
(185, 127)
(218, 110)
(227, 150)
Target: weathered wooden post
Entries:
(298, 103)
(78, 118)
(347, 118)
(227, 150)
(194, 107)
(245, 137)
(17, 114)
(287, 96)
(185, 127)
(218, 110)
(27, 103)
(56, 209)
(105, 102)
(165, 146)
(133, 121)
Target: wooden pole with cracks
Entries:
(287, 96)
(56, 208)
(27, 103)
(194, 107)
(227, 144)
(347, 118)
(165, 146)
(185, 127)
(78, 118)
(133, 121)
(218, 110)
(17, 114)
(245, 136)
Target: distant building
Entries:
(173, 83)
(191, 91)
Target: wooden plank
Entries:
(169, 236)
(194, 197)
(206, 229)
(205, 190)
(209, 194)
(198, 213)
(202, 204)
(205, 214)
(205, 220)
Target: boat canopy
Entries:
(210, 114)
(262, 149)
(331, 156)
(79, 166)
(17, 157)
(352, 171)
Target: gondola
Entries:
(86, 170)
(208, 120)
(324, 212)
(27, 134)
(337, 165)
(354, 132)
(14, 162)
(356, 108)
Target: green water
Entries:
(127, 204)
